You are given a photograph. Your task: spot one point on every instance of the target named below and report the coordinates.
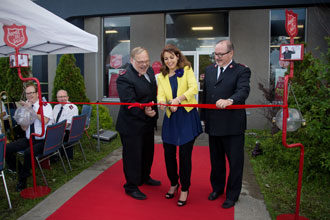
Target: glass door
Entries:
(199, 61)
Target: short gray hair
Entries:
(230, 45)
(137, 50)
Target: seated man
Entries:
(65, 111)
(23, 144)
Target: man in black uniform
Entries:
(136, 126)
(226, 83)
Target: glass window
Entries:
(116, 51)
(196, 32)
(280, 36)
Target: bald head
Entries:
(62, 96)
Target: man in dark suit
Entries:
(136, 126)
(226, 83)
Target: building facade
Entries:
(256, 29)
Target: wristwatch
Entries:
(232, 101)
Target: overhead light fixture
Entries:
(206, 46)
(111, 32)
(125, 41)
(300, 26)
(206, 38)
(207, 28)
(274, 46)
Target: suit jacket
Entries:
(134, 88)
(187, 86)
(233, 83)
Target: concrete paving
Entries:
(250, 206)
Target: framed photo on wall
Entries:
(290, 52)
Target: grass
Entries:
(55, 177)
(279, 186)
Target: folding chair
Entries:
(53, 142)
(76, 133)
(87, 110)
(3, 141)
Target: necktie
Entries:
(32, 127)
(221, 71)
(59, 114)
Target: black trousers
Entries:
(22, 145)
(138, 154)
(185, 152)
(232, 147)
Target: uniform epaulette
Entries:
(243, 65)
(123, 72)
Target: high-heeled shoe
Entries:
(171, 195)
(182, 203)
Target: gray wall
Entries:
(93, 72)
(148, 31)
(249, 31)
(52, 64)
(318, 26)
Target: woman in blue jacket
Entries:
(177, 85)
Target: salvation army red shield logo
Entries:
(116, 61)
(15, 36)
(291, 20)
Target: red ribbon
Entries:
(143, 105)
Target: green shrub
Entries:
(10, 82)
(312, 90)
(69, 78)
(4, 66)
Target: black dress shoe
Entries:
(214, 195)
(183, 203)
(152, 182)
(228, 204)
(171, 195)
(137, 195)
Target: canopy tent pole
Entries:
(97, 106)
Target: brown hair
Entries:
(182, 61)
(30, 83)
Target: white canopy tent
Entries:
(47, 33)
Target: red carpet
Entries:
(105, 198)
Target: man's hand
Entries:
(149, 111)
(26, 104)
(223, 103)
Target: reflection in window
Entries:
(196, 32)
(279, 36)
(116, 51)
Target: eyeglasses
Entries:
(221, 54)
(142, 62)
(60, 97)
(30, 93)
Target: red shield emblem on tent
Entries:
(15, 36)
(116, 61)
(291, 20)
